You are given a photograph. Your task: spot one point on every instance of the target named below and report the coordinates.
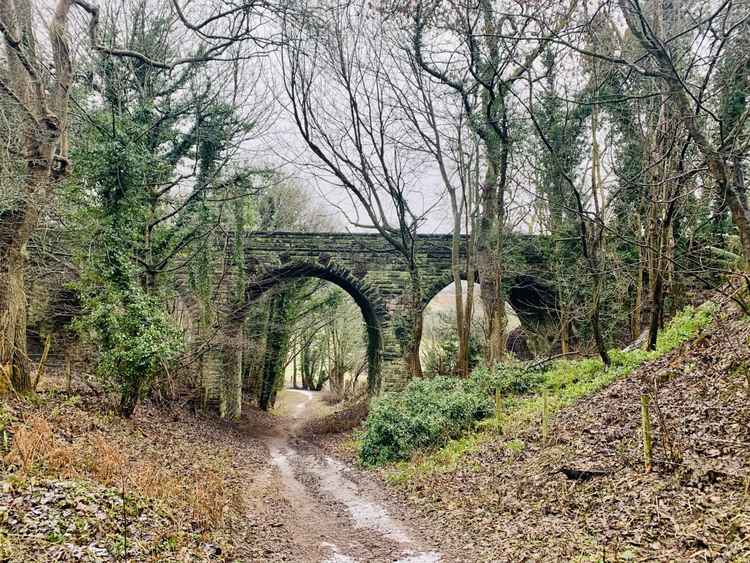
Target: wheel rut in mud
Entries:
(338, 515)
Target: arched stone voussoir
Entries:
(435, 286)
(370, 302)
(361, 291)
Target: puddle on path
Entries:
(365, 514)
(338, 557)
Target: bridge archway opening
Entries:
(369, 305)
(530, 307)
(439, 315)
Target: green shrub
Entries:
(565, 373)
(426, 414)
(134, 338)
(431, 413)
(590, 371)
(631, 359)
(508, 379)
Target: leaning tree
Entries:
(35, 95)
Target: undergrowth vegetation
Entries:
(38, 452)
(438, 415)
(426, 414)
(69, 451)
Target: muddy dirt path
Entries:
(333, 512)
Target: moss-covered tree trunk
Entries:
(15, 234)
(13, 352)
(308, 366)
(277, 342)
(416, 322)
(40, 110)
(490, 246)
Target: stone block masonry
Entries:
(368, 268)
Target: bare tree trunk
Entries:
(294, 369)
(13, 302)
(597, 241)
(463, 353)
(496, 324)
(635, 321)
(655, 260)
(465, 332)
(595, 320)
(658, 242)
(657, 303)
(463, 209)
(411, 349)
(490, 246)
(564, 331)
(13, 356)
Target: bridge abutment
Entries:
(221, 373)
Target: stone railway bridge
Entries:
(375, 275)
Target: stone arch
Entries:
(437, 286)
(372, 272)
(530, 298)
(369, 301)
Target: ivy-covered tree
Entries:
(152, 185)
(129, 327)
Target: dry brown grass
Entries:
(33, 443)
(203, 492)
(342, 420)
(103, 461)
(211, 500)
(155, 481)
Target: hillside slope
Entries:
(585, 495)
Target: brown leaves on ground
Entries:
(76, 520)
(515, 500)
(181, 475)
(102, 457)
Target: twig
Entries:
(540, 363)
(42, 362)
(646, 428)
(124, 523)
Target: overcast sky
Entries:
(281, 145)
